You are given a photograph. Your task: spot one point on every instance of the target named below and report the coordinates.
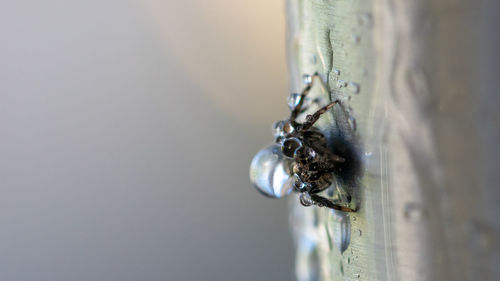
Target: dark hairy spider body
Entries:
(299, 159)
(312, 161)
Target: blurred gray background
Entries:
(127, 128)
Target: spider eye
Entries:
(290, 146)
(270, 170)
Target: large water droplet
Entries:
(270, 170)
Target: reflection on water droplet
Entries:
(354, 87)
(414, 212)
(341, 84)
(368, 154)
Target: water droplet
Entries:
(354, 87)
(313, 59)
(307, 79)
(293, 100)
(305, 199)
(368, 154)
(269, 171)
(339, 227)
(341, 84)
(278, 129)
(357, 275)
(336, 71)
(298, 185)
(365, 19)
(360, 232)
(414, 212)
(356, 38)
(352, 122)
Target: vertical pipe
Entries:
(421, 80)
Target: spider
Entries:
(299, 159)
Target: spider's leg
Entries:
(324, 202)
(311, 119)
(298, 109)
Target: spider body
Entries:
(299, 159)
(311, 162)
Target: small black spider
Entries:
(299, 159)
